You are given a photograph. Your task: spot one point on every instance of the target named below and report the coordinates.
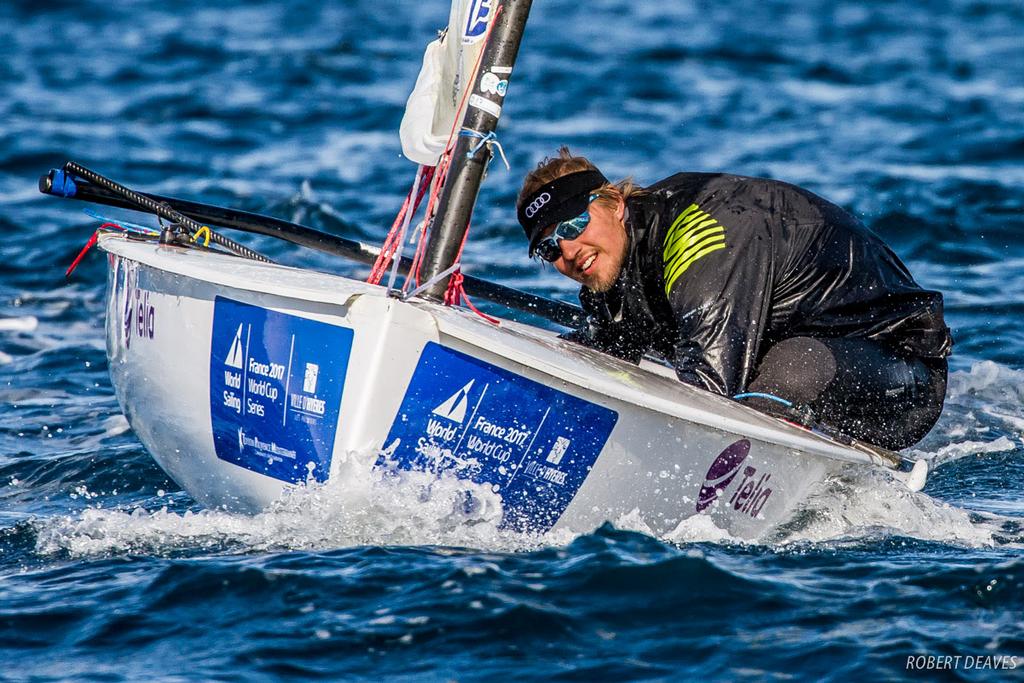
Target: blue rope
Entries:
(757, 394)
(489, 139)
(129, 227)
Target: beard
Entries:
(604, 281)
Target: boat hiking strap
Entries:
(758, 394)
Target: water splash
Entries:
(993, 391)
(864, 504)
(983, 416)
(360, 506)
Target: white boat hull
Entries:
(243, 380)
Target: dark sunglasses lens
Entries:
(548, 250)
(574, 227)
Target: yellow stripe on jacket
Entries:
(693, 235)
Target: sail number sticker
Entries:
(276, 382)
(533, 444)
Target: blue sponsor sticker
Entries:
(476, 20)
(534, 444)
(275, 390)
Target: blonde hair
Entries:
(565, 163)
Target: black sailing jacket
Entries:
(721, 267)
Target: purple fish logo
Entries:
(722, 472)
(126, 319)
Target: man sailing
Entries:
(750, 287)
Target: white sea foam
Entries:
(114, 425)
(27, 323)
(963, 449)
(699, 529)
(984, 413)
(987, 380)
(361, 506)
(864, 503)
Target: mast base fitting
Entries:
(176, 236)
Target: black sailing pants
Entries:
(860, 387)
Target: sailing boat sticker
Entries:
(455, 407)
(234, 359)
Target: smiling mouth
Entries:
(586, 264)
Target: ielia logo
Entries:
(139, 315)
(750, 495)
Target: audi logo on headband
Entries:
(537, 204)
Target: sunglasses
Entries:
(549, 248)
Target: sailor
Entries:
(749, 287)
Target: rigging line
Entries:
(459, 295)
(397, 256)
(393, 241)
(440, 276)
(455, 294)
(110, 225)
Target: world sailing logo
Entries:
(234, 359)
(478, 16)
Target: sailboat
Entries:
(245, 379)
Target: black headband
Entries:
(563, 198)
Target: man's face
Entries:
(595, 258)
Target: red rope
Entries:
(440, 175)
(89, 245)
(456, 292)
(390, 246)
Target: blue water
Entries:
(907, 113)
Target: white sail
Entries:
(448, 64)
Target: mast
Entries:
(455, 206)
